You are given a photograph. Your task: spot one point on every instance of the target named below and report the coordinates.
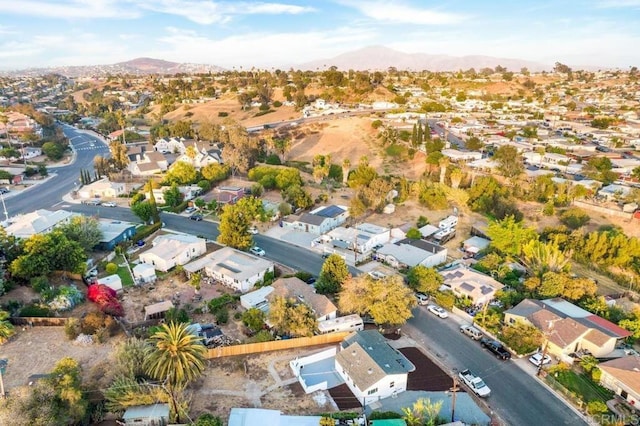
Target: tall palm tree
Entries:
(176, 355)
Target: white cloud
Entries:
(69, 9)
(611, 4)
(211, 12)
(260, 49)
(397, 13)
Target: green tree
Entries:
(83, 229)
(215, 172)
(66, 380)
(235, 221)
(6, 328)
(172, 196)
(474, 144)
(144, 210)
(130, 355)
(254, 319)
(540, 257)
(509, 236)
(119, 156)
(45, 253)
(208, 420)
(53, 150)
(423, 412)
(333, 274)
(362, 175)
(522, 338)
(424, 280)
(181, 173)
(600, 168)
(125, 392)
(386, 300)
(414, 234)
(574, 218)
(291, 318)
(509, 160)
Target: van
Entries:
(471, 331)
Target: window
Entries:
(392, 384)
(372, 391)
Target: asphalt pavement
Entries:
(516, 396)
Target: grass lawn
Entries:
(123, 272)
(582, 386)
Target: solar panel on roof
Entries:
(330, 211)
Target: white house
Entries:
(148, 163)
(262, 416)
(614, 191)
(478, 287)
(170, 145)
(319, 221)
(371, 368)
(364, 236)
(170, 250)
(257, 299)
(410, 253)
(37, 222)
(456, 155)
(622, 376)
(102, 188)
(232, 267)
(112, 281)
(144, 273)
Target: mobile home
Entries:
(347, 323)
(448, 223)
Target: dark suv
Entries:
(496, 348)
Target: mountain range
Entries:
(368, 58)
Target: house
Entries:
(144, 273)
(301, 292)
(428, 230)
(112, 281)
(199, 156)
(567, 327)
(228, 194)
(232, 267)
(157, 310)
(622, 376)
(170, 250)
(37, 222)
(614, 191)
(319, 221)
(371, 368)
(146, 163)
(114, 232)
(408, 253)
(147, 415)
(475, 244)
(364, 237)
(257, 299)
(102, 188)
(262, 416)
(466, 282)
(189, 192)
(460, 156)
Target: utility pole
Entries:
(453, 391)
(3, 366)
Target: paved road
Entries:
(455, 141)
(276, 250)
(48, 194)
(516, 396)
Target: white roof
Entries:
(143, 270)
(261, 416)
(256, 297)
(428, 230)
(112, 281)
(36, 222)
(231, 263)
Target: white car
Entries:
(253, 230)
(536, 359)
(438, 311)
(257, 251)
(423, 299)
(110, 204)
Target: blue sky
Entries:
(264, 34)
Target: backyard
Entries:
(580, 389)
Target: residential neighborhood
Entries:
(323, 245)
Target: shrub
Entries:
(223, 114)
(446, 299)
(36, 310)
(596, 375)
(72, 328)
(39, 284)
(273, 159)
(277, 104)
(376, 124)
(222, 316)
(422, 221)
(596, 407)
(111, 268)
(574, 218)
(257, 190)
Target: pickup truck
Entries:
(474, 383)
(496, 348)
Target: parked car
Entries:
(4, 190)
(110, 204)
(190, 209)
(471, 331)
(537, 359)
(423, 299)
(257, 251)
(311, 280)
(496, 348)
(253, 230)
(196, 217)
(475, 383)
(437, 311)
(93, 202)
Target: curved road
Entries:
(63, 178)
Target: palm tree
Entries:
(443, 163)
(176, 357)
(6, 328)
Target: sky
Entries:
(283, 33)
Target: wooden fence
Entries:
(276, 345)
(38, 321)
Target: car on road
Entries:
(110, 204)
(257, 251)
(311, 280)
(496, 348)
(471, 331)
(423, 299)
(437, 311)
(4, 190)
(190, 209)
(537, 359)
(253, 230)
(93, 202)
(196, 217)
(475, 383)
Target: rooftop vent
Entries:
(370, 371)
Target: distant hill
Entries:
(381, 58)
(138, 66)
